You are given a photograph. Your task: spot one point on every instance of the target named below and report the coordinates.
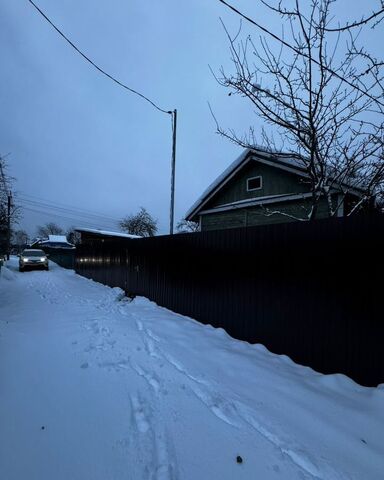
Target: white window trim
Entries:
(253, 178)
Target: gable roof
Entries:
(57, 238)
(56, 241)
(284, 161)
(106, 233)
(289, 161)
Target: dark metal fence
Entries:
(62, 256)
(313, 291)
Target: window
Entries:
(254, 183)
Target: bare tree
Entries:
(308, 91)
(141, 224)
(20, 238)
(186, 226)
(50, 228)
(9, 211)
(73, 236)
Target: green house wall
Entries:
(252, 216)
(274, 182)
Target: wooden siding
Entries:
(252, 216)
(275, 182)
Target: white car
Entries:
(33, 258)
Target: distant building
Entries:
(53, 241)
(94, 236)
(262, 187)
(58, 249)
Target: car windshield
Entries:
(33, 253)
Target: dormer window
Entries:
(254, 183)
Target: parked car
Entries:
(33, 258)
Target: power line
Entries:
(65, 217)
(78, 212)
(72, 213)
(121, 84)
(66, 208)
(65, 211)
(118, 82)
(72, 220)
(69, 213)
(299, 52)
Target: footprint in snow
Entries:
(152, 335)
(139, 325)
(139, 414)
(150, 378)
(221, 408)
(150, 347)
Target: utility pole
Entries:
(9, 205)
(173, 166)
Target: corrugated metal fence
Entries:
(64, 257)
(313, 291)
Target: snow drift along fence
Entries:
(313, 291)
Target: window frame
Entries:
(253, 178)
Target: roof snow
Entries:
(289, 159)
(279, 159)
(107, 233)
(57, 239)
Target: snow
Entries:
(57, 239)
(94, 386)
(266, 200)
(107, 233)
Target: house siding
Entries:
(252, 216)
(275, 182)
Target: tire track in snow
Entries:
(140, 415)
(236, 414)
(151, 442)
(158, 441)
(147, 438)
(149, 377)
(230, 411)
(140, 438)
(151, 342)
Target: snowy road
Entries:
(94, 387)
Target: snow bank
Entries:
(95, 386)
(7, 274)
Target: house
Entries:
(262, 187)
(58, 249)
(95, 236)
(53, 241)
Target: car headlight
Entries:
(23, 259)
(43, 259)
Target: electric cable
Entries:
(75, 211)
(300, 52)
(111, 77)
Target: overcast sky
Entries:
(77, 139)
